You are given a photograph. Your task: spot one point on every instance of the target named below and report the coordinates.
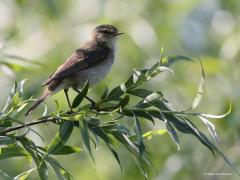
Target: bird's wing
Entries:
(81, 59)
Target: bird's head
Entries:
(106, 34)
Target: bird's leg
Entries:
(69, 105)
(94, 104)
(90, 100)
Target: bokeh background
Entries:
(45, 32)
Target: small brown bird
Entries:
(91, 62)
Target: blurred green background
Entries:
(48, 31)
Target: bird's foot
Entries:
(70, 112)
(95, 106)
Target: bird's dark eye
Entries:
(104, 31)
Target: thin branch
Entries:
(39, 121)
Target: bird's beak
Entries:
(118, 33)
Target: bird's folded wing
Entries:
(80, 60)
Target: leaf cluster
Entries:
(93, 128)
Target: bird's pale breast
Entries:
(94, 74)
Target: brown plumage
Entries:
(89, 63)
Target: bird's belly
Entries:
(94, 74)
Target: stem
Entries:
(39, 121)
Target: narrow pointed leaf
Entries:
(83, 125)
(20, 87)
(199, 94)
(81, 95)
(170, 60)
(150, 134)
(43, 170)
(24, 175)
(65, 150)
(115, 94)
(4, 140)
(185, 126)
(213, 116)
(150, 100)
(124, 102)
(9, 99)
(12, 151)
(60, 172)
(30, 147)
(108, 141)
(105, 93)
(211, 129)
(61, 137)
(173, 134)
(138, 131)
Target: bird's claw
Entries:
(95, 107)
(70, 112)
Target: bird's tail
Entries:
(45, 95)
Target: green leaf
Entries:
(140, 92)
(124, 102)
(61, 138)
(132, 148)
(116, 127)
(43, 170)
(20, 87)
(59, 171)
(201, 137)
(211, 129)
(213, 116)
(185, 126)
(159, 69)
(13, 151)
(162, 53)
(199, 94)
(173, 134)
(169, 60)
(149, 100)
(105, 93)
(83, 125)
(15, 98)
(31, 148)
(139, 113)
(123, 88)
(115, 94)
(137, 76)
(24, 175)
(9, 99)
(65, 150)
(115, 154)
(143, 93)
(123, 139)
(152, 69)
(152, 97)
(5, 140)
(108, 141)
(138, 131)
(81, 95)
(95, 129)
(150, 134)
